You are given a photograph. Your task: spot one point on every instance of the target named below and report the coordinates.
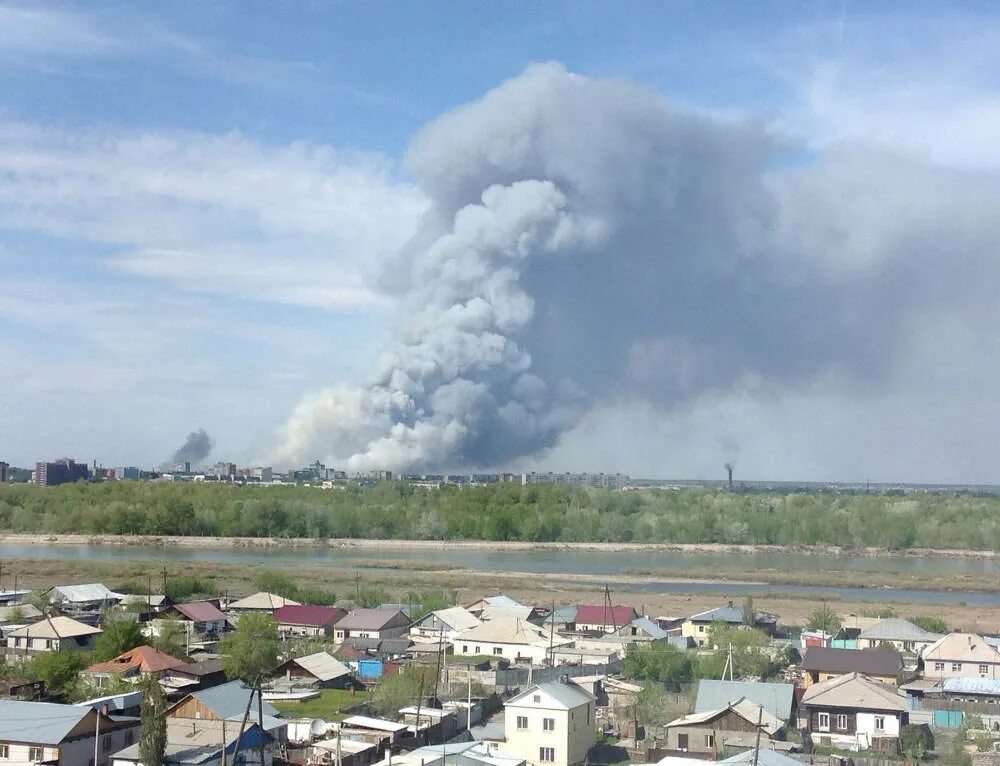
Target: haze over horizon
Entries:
(557, 237)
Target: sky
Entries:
(763, 234)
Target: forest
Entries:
(396, 510)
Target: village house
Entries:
(320, 670)
(60, 735)
(201, 621)
(822, 663)
(201, 742)
(711, 731)
(510, 639)
(259, 603)
(184, 679)
(903, 635)
(444, 622)
(299, 620)
(372, 623)
(592, 618)
(960, 655)
(776, 699)
(853, 712)
(83, 601)
(229, 702)
(500, 600)
(550, 724)
(53, 634)
(132, 664)
(562, 619)
(698, 626)
(641, 630)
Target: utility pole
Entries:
(756, 748)
(357, 588)
(1, 576)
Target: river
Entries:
(669, 567)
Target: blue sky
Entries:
(196, 198)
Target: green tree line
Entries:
(396, 510)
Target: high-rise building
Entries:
(4, 472)
(62, 471)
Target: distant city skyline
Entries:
(651, 240)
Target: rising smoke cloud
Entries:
(585, 242)
(195, 449)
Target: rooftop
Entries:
(307, 614)
(145, 658)
(262, 601)
(564, 695)
(55, 627)
(872, 662)
(200, 611)
(41, 723)
(855, 691)
(593, 614)
(371, 619)
(776, 699)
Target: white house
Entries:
(902, 634)
(449, 622)
(853, 712)
(63, 735)
(961, 655)
(550, 724)
(52, 634)
(511, 639)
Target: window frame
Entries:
(521, 719)
(842, 722)
(32, 750)
(548, 724)
(819, 721)
(544, 751)
(880, 726)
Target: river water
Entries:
(552, 563)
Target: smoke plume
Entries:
(586, 243)
(195, 449)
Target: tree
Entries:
(403, 689)
(930, 623)
(825, 619)
(171, 638)
(118, 636)
(749, 613)
(153, 713)
(666, 664)
(914, 741)
(59, 670)
(252, 649)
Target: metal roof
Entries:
(41, 723)
(776, 699)
(765, 757)
(55, 627)
(730, 614)
(79, 594)
(262, 601)
(306, 614)
(649, 627)
(323, 666)
(566, 695)
(897, 629)
(872, 662)
(506, 630)
(378, 724)
(455, 617)
(854, 691)
(593, 614)
(968, 685)
(228, 700)
(200, 611)
(371, 619)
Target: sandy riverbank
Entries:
(11, 538)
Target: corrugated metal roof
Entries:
(41, 723)
(776, 699)
(854, 691)
(985, 686)
(566, 695)
(593, 614)
(503, 631)
(262, 601)
(200, 611)
(145, 658)
(370, 619)
(378, 724)
(227, 700)
(306, 614)
(730, 614)
(897, 629)
(765, 757)
(55, 627)
(323, 665)
(79, 594)
(872, 662)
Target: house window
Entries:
(497, 650)
(546, 754)
(465, 648)
(984, 670)
(880, 723)
(4, 751)
(522, 722)
(478, 650)
(956, 667)
(908, 646)
(537, 698)
(35, 754)
(823, 721)
(701, 628)
(842, 722)
(939, 666)
(548, 724)
(129, 737)
(709, 740)
(106, 742)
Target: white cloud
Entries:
(298, 223)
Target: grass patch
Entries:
(328, 706)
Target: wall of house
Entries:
(811, 677)
(193, 708)
(18, 754)
(941, 669)
(510, 652)
(696, 630)
(314, 631)
(570, 740)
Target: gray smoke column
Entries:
(585, 243)
(195, 449)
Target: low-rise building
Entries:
(201, 742)
(593, 618)
(303, 620)
(321, 670)
(698, 626)
(550, 724)
(83, 600)
(445, 622)
(372, 623)
(510, 639)
(53, 634)
(823, 662)
(961, 655)
(903, 635)
(710, 731)
(853, 712)
(132, 664)
(776, 699)
(229, 702)
(259, 603)
(60, 735)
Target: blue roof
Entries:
(730, 614)
(651, 628)
(764, 757)
(42, 723)
(228, 700)
(776, 699)
(963, 685)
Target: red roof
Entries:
(590, 614)
(200, 611)
(304, 614)
(146, 658)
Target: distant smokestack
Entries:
(729, 471)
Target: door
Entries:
(682, 741)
